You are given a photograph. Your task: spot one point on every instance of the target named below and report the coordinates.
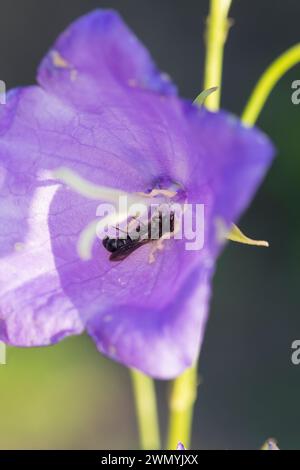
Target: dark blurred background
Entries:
(68, 396)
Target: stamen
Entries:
(90, 190)
(86, 240)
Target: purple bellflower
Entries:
(104, 111)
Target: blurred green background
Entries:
(68, 396)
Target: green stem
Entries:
(267, 82)
(184, 389)
(146, 410)
(215, 37)
(182, 399)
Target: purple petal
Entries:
(230, 162)
(160, 341)
(148, 316)
(96, 56)
(33, 308)
(152, 317)
(165, 337)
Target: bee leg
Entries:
(154, 248)
(134, 222)
(158, 245)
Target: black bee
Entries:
(121, 248)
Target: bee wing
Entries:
(126, 250)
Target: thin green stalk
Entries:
(267, 82)
(146, 410)
(184, 389)
(181, 404)
(215, 38)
